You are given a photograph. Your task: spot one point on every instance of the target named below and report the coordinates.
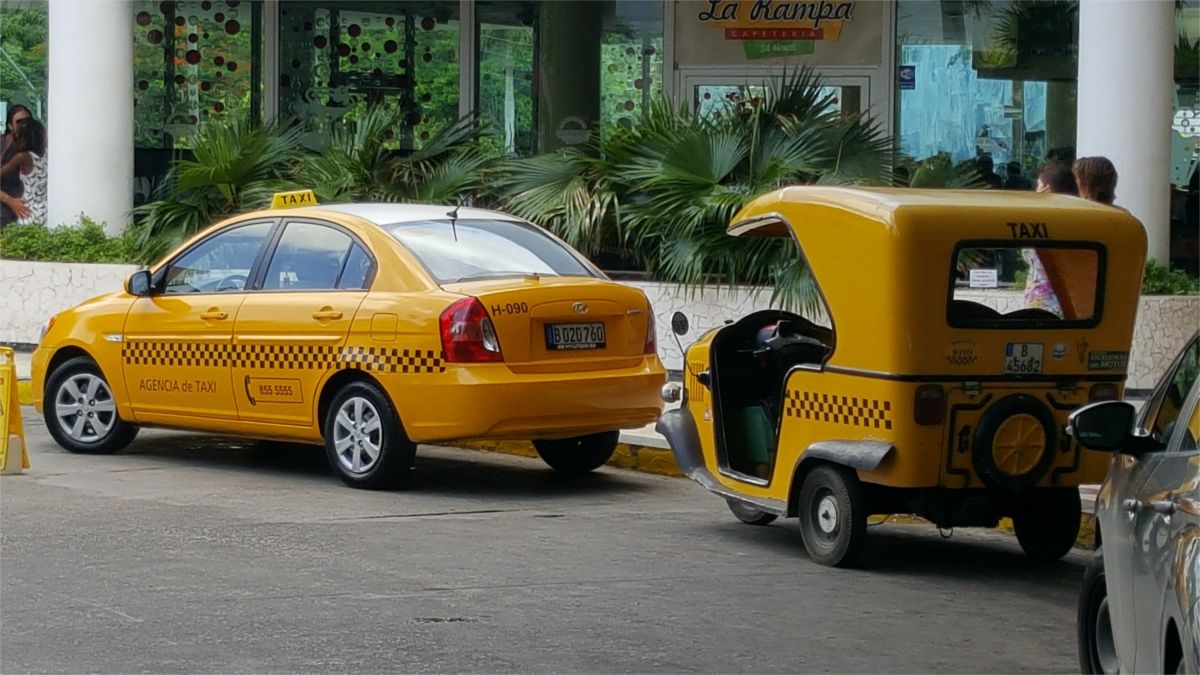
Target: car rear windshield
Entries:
(481, 248)
(1022, 285)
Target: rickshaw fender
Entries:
(679, 428)
(863, 455)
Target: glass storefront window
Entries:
(194, 61)
(631, 60)
(507, 102)
(337, 58)
(992, 80)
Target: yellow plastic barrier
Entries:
(12, 432)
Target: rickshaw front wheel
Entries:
(748, 514)
(1047, 524)
(833, 515)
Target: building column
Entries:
(90, 130)
(1126, 80)
(568, 72)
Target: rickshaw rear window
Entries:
(1026, 286)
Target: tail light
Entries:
(930, 404)
(651, 334)
(468, 335)
(1105, 391)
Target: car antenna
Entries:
(454, 220)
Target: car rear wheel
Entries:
(833, 516)
(1047, 524)
(578, 455)
(1097, 647)
(80, 410)
(748, 514)
(364, 440)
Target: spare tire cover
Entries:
(1015, 442)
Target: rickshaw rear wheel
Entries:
(1047, 524)
(748, 514)
(833, 516)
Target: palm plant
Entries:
(690, 175)
(234, 168)
(356, 164)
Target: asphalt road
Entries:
(197, 554)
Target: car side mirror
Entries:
(679, 323)
(138, 283)
(1106, 426)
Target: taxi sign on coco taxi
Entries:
(953, 333)
(366, 327)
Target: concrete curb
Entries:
(628, 456)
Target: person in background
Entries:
(984, 165)
(1015, 180)
(1096, 178)
(31, 143)
(11, 188)
(1056, 177)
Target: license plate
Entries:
(1022, 358)
(574, 335)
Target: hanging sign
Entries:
(826, 32)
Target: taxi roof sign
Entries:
(287, 200)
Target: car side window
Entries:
(357, 270)
(309, 257)
(1170, 400)
(219, 264)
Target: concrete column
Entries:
(90, 129)
(1126, 80)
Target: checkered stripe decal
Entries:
(203, 355)
(282, 357)
(860, 412)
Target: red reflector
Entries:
(468, 335)
(1105, 391)
(930, 404)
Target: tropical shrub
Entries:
(667, 188)
(86, 243)
(1161, 280)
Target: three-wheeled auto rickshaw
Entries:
(954, 333)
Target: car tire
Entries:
(1097, 646)
(578, 455)
(1047, 523)
(984, 444)
(80, 411)
(748, 514)
(833, 516)
(365, 442)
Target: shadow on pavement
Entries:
(437, 471)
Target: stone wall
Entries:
(31, 292)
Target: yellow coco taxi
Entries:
(368, 327)
(927, 379)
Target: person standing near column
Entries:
(31, 140)
(11, 188)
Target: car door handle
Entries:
(327, 315)
(214, 314)
(1165, 507)
(1131, 505)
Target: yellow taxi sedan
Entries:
(367, 327)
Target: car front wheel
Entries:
(364, 440)
(1097, 646)
(80, 411)
(578, 455)
(748, 514)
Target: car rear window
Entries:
(482, 248)
(1023, 285)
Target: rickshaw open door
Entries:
(935, 375)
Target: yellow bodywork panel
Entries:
(262, 362)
